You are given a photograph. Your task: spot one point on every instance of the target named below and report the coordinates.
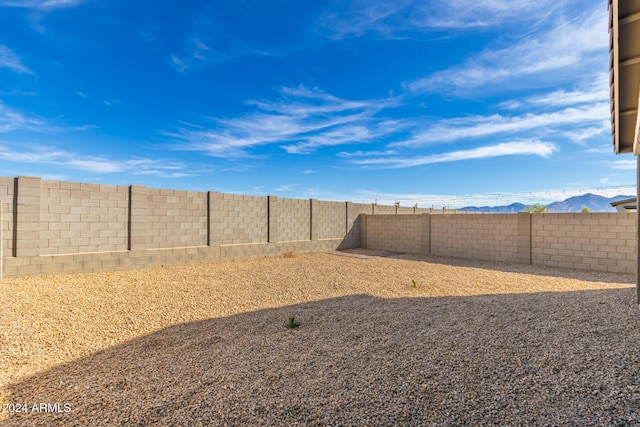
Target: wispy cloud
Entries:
(583, 133)
(595, 90)
(303, 119)
(178, 63)
(631, 164)
(454, 129)
(359, 153)
(585, 99)
(364, 16)
(11, 61)
(570, 46)
(48, 155)
(397, 19)
(600, 149)
(11, 120)
(539, 148)
(340, 136)
(40, 4)
(562, 97)
(465, 14)
(208, 42)
(282, 188)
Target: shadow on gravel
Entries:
(541, 270)
(528, 359)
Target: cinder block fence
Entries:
(68, 227)
(584, 241)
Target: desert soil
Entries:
(383, 339)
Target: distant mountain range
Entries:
(573, 204)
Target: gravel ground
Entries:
(470, 343)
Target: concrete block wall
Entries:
(403, 210)
(7, 186)
(596, 241)
(243, 219)
(331, 219)
(69, 227)
(397, 233)
(57, 226)
(294, 219)
(175, 218)
(483, 237)
(384, 210)
(445, 212)
(356, 213)
(585, 241)
(77, 217)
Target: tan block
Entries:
(626, 249)
(618, 269)
(598, 254)
(71, 267)
(70, 185)
(626, 222)
(29, 269)
(608, 261)
(629, 265)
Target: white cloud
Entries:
(178, 63)
(575, 45)
(282, 188)
(625, 164)
(199, 49)
(11, 120)
(563, 98)
(342, 135)
(208, 41)
(397, 19)
(93, 164)
(582, 134)
(11, 61)
(479, 126)
(365, 16)
(41, 4)
(360, 153)
(601, 149)
(590, 91)
(303, 120)
(594, 91)
(96, 164)
(460, 14)
(302, 101)
(538, 148)
(509, 105)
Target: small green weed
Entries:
(292, 323)
(415, 285)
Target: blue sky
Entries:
(434, 102)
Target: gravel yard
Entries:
(383, 340)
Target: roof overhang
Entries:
(623, 202)
(624, 47)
